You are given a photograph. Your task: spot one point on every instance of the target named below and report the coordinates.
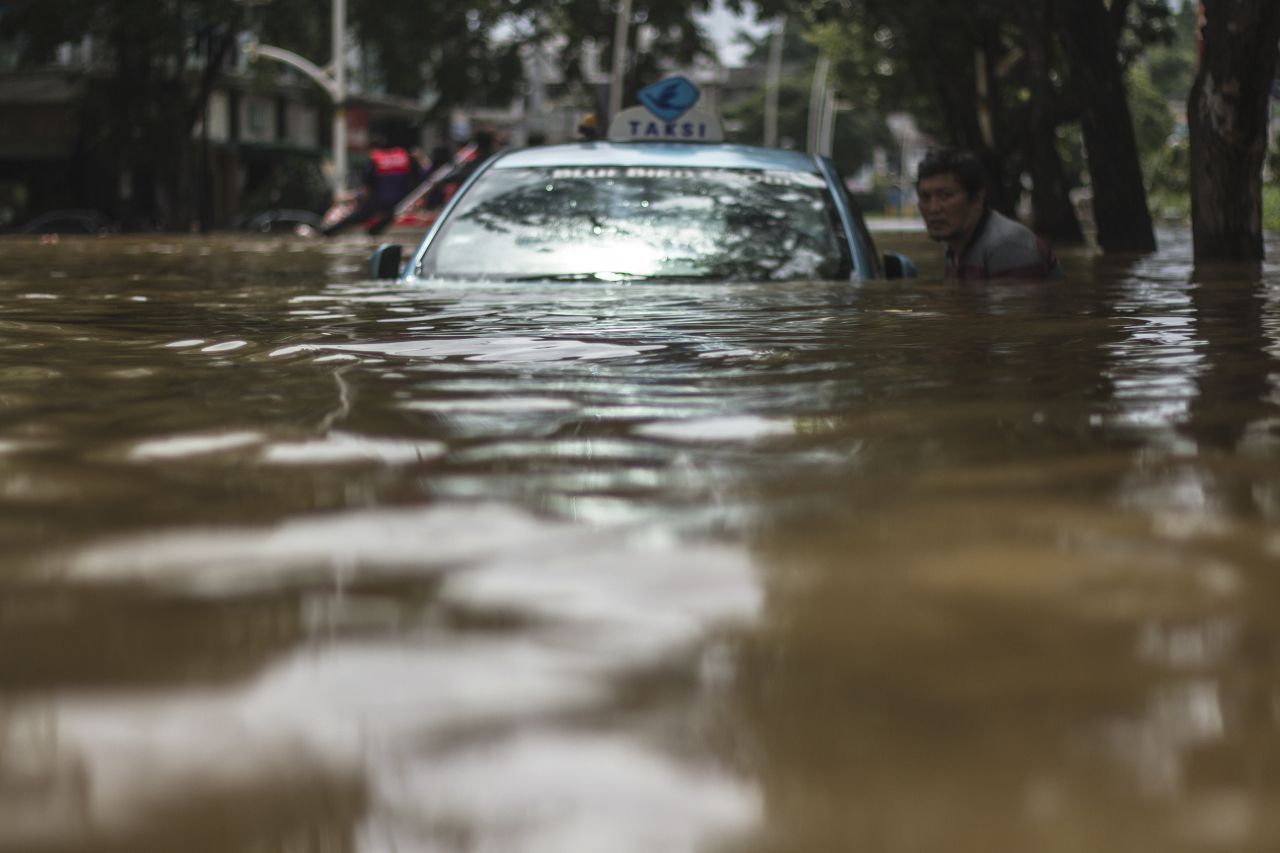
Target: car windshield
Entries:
(642, 222)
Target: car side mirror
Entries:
(385, 261)
(898, 266)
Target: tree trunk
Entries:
(956, 95)
(1053, 214)
(1227, 118)
(1119, 198)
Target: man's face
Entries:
(948, 211)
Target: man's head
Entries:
(949, 187)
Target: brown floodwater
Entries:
(296, 561)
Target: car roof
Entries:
(661, 154)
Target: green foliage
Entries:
(858, 131)
(1069, 141)
(1172, 65)
(302, 26)
(915, 56)
(1153, 122)
(1167, 173)
(294, 181)
(1161, 76)
(413, 45)
(1147, 23)
(672, 34)
(470, 53)
(1171, 69)
(886, 53)
(434, 44)
(797, 47)
(1271, 208)
(856, 135)
(137, 118)
(131, 30)
(996, 76)
(1168, 168)
(1173, 208)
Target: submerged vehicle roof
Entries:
(683, 155)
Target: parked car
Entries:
(283, 220)
(663, 198)
(71, 222)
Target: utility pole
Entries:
(618, 73)
(333, 80)
(827, 128)
(817, 102)
(771, 80)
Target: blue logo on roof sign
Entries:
(669, 99)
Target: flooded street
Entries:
(296, 561)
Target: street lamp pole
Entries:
(339, 95)
(332, 80)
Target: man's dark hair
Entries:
(960, 162)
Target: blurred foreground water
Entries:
(294, 561)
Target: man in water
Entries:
(981, 243)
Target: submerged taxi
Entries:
(663, 198)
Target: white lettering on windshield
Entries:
(769, 177)
(652, 172)
(585, 173)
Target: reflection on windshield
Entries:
(723, 224)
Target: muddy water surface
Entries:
(294, 561)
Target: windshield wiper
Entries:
(616, 277)
(583, 276)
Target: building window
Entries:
(259, 119)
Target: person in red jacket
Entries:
(389, 175)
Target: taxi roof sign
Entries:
(667, 114)
(670, 98)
